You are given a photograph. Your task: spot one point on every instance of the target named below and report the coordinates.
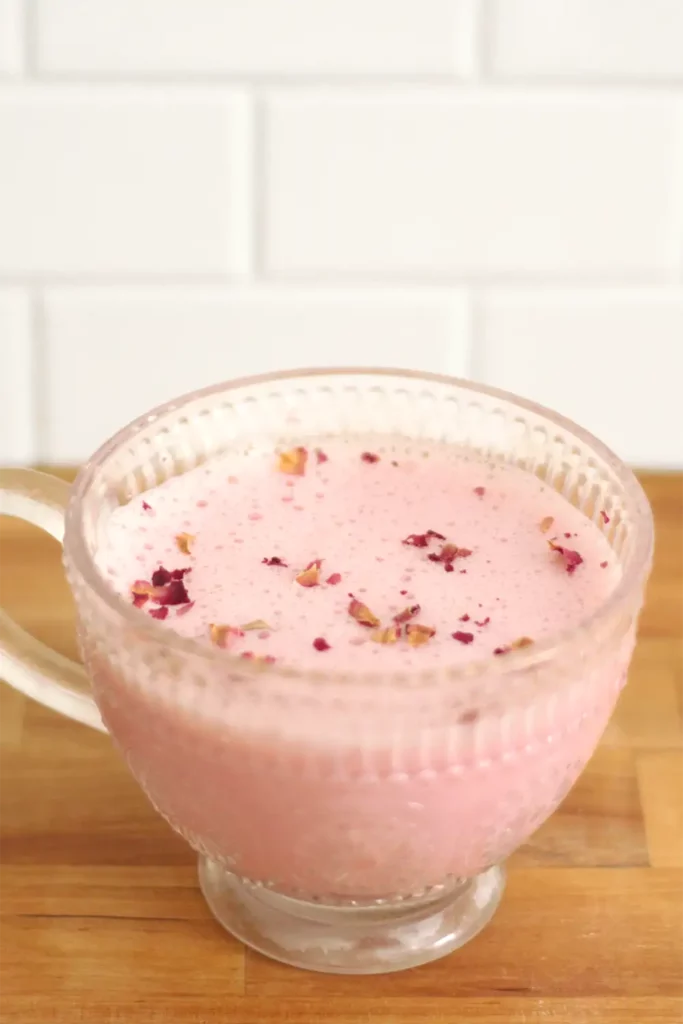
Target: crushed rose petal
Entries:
(448, 554)
(484, 622)
(546, 523)
(605, 517)
(222, 635)
(480, 491)
(184, 541)
(159, 613)
(173, 592)
(502, 650)
(320, 456)
(334, 579)
(387, 635)
(256, 624)
(310, 576)
(321, 644)
(421, 540)
(464, 638)
(184, 609)
(161, 576)
(572, 559)
(418, 634)
(263, 659)
(603, 565)
(361, 613)
(369, 457)
(293, 461)
(522, 641)
(274, 561)
(146, 507)
(464, 618)
(407, 614)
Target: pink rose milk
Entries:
(355, 557)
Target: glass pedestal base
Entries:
(372, 938)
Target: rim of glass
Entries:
(515, 662)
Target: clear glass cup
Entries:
(345, 822)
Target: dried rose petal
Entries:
(140, 592)
(571, 558)
(388, 635)
(435, 535)
(361, 613)
(484, 622)
(159, 613)
(274, 561)
(177, 574)
(263, 659)
(320, 456)
(321, 644)
(605, 517)
(310, 576)
(448, 554)
(546, 523)
(369, 457)
(334, 579)
(522, 641)
(421, 540)
(256, 624)
(161, 576)
(463, 638)
(173, 592)
(480, 491)
(184, 542)
(464, 618)
(502, 650)
(603, 565)
(184, 609)
(293, 461)
(224, 636)
(418, 634)
(146, 507)
(407, 614)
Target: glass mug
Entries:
(345, 822)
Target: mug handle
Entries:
(26, 663)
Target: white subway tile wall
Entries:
(192, 190)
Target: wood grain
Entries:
(101, 920)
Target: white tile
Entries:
(611, 361)
(11, 37)
(256, 37)
(114, 353)
(431, 183)
(122, 181)
(16, 379)
(639, 38)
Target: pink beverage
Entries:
(358, 556)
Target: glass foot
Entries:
(370, 938)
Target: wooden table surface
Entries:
(101, 919)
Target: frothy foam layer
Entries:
(353, 514)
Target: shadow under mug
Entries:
(345, 822)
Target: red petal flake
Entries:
(140, 592)
(321, 644)
(502, 650)
(293, 461)
(320, 456)
(418, 634)
(464, 618)
(480, 491)
(388, 635)
(421, 540)
(448, 554)
(184, 609)
(173, 592)
(369, 457)
(146, 507)
(484, 622)
(463, 638)
(310, 576)
(603, 565)
(605, 517)
(263, 659)
(334, 579)
(361, 613)
(407, 614)
(274, 561)
(572, 559)
(159, 613)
